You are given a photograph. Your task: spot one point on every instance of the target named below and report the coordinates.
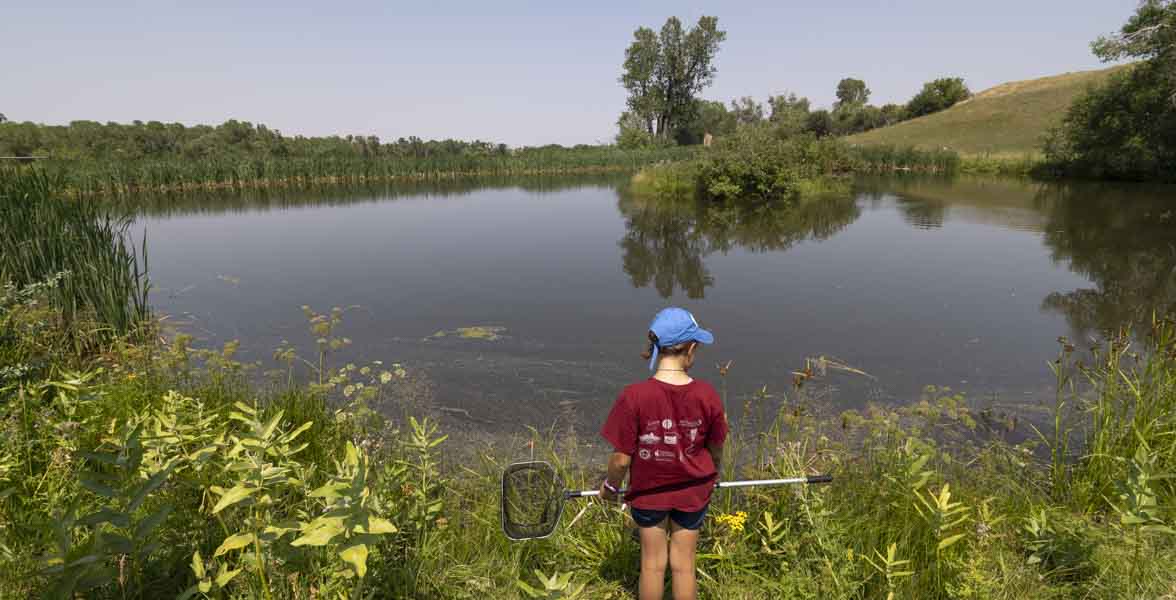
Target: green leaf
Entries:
(90, 483)
(225, 576)
(238, 493)
(948, 541)
(377, 525)
(149, 486)
(245, 408)
(272, 425)
(105, 515)
(198, 565)
(289, 437)
(119, 544)
(320, 532)
(329, 491)
(234, 542)
(356, 555)
(189, 593)
(146, 526)
(102, 457)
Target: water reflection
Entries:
(264, 199)
(1122, 238)
(666, 240)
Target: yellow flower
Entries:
(733, 521)
(385, 377)
(347, 391)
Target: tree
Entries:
(819, 123)
(938, 95)
(852, 92)
(789, 112)
(708, 116)
(893, 113)
(664, 72)
(3, 119)
(1126, 129)
(1149, 35)
(633, 131)
(747, 111)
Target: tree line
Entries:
(665, 71)
(91, 140)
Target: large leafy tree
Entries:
(789, 112)
(665, 71)
(938, 95)
(852, 93)
(708, 116)
(1149, 35)
(1127, 128)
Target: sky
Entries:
(522, 73)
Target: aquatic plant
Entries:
(101, 275)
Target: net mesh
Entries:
(532, 500)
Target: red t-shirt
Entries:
(666, 429)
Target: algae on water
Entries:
(487, 333)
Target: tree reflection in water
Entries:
(1121, 237)
(666, 239)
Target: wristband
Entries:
(610, 487)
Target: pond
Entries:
(965, 283)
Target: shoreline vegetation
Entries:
(136, 468)
(92, 178)
(758, 164)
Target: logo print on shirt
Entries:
(689, 423)
(643, 453)
(668, 424)
(664, 455)
(649, 439)
(671, 438)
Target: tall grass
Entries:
(89, 177)
(43, 234)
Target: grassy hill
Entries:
(1008, 119)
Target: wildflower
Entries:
(735, 521)
(131, 376)
(348, 391)
(385, 377)
(365, 370)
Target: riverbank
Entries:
(143, 470)
(92, 178)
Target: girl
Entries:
(667, 432)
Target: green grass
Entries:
(1006, 122)
(114, 177)
(43, 234)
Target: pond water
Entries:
(964, 283)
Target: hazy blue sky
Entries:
(517, 72)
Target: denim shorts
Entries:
(685, 520)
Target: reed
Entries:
(114, 177)
(43, 234)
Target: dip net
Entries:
(532, 500)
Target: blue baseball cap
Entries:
(674, 326)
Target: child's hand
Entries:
(606, 494)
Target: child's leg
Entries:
(683, 543)
(654, 555)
